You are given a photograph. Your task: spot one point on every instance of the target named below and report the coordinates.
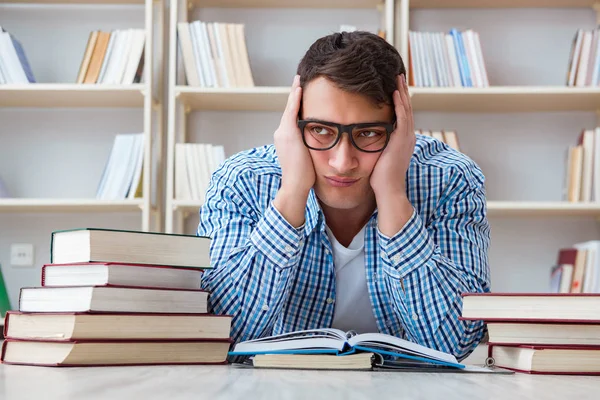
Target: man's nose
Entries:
(343, 155)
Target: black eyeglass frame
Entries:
(389, 128)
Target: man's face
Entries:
(343, 172)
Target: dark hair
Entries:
(358, 62)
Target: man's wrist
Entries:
(394, 210)
(291, 204)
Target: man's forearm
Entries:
(291, 205)
(394, 211)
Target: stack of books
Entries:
(453, 59)
(539, 333)
(584, 59)
(582, 169)
(194, 166)
(115, 57)
(112, 297)
(214, 54)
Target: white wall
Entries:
(521, 154)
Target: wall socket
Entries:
(21, 255)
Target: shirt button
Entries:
(396, 258)
(288, 249)
(415, 317)
(388, 323)
(265, 308)
(329, 300)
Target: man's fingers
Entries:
(293, 103)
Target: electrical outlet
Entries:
(21, 255)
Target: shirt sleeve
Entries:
(428, 267)
(253, 255)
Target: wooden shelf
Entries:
(73, 1)
(500, 3)
(506, 99)
(71, 95)
(491, 99)
(260, 98)
(495, 208)
(288, 3)
(69, 205)
(545, 209)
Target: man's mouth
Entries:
(340, 182)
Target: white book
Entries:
(210, 61)
(453, 60)
(479, 51)
(9, 53)
(139, 165)
(226, 81)
(182, 183)
(584, 59)
(187, 54)
(596, 173)
(197, 56)
(575, 61)
(587, 165)
(135, 55)
(107, 56)
(193, 176)
(414, 58)
(113, 61)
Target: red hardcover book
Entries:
(121, 274)
(57, 326)
(549, 360)
(532, 307)
(114, 352)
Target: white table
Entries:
(228, 382)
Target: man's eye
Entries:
(370, 134)
(319, 130)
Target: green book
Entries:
(4, 300)
(134, 247)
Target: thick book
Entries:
(133, 326)
(559, 360)
(114, 352)
(112, 299)
(531, 307)
(397, 351)
(136, 247)
(544, 333)
(120, 274)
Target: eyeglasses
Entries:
(369, 137)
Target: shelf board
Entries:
(68, 205)
(71, 95)
(495, 208)
(260, 98)
(288, 3)
(491, 99)
(500, 3)
(544, 209)
(506, 99)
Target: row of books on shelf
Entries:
(584, 59)
(123, 171)
(577, 269)
(448, 137)
(14, 65)
(123, 298)
(214, 54)
(115, 57)
(194, 166)
(453, 59)
(582, 176)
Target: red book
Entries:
(558, 360)
(121, 274)
(532, 307)
(114, 352)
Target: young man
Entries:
(349, 221)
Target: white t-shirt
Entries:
(353, 310)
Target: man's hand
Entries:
(297, 169)
(388, 178)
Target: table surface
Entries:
(231, 382)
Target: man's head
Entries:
(348, 78)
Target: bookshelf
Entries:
(141, 98)
(183, 99)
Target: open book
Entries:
(388, 351)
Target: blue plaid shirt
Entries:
(274, 278)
